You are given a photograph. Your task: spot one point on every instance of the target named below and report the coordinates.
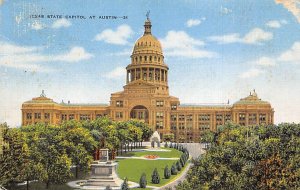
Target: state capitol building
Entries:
(146, 97)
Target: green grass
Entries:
(133, 169)
(169, 154)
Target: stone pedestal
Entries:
(103, 173)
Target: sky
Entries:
(216, 50)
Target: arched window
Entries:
(145, 58)
(136, 59)
(140, 58)
(150, 58)
(155, 58)
(159, 59)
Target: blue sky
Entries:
(216, 50)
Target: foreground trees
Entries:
(47, 152)
(265, 157)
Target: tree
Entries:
(174, 170)
(14, 153)
(167, 173)
(155, 177)
(168, 137)
(143, 181)
(124, 185)
(262, 157)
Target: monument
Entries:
(103, 173)
(155, 138)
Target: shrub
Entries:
(143, 181)
(155, 177)
(182, 162)
(167, 173)
(178, 165)
(174, 170)
(125, 185)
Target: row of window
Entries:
(37, 116)
(63, 117)
(145, 58)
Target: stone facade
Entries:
(146, 97)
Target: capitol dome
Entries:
(147, 43)
(147, 49)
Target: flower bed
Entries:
(151, 156)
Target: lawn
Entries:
(173, 153)
(133, 169)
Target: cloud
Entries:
(291, 5)
(76, 54)
(251, 73)
(265, 62)
(36, 25)
(30, 58)
(225, 10)
(227, 39)
(61, 23)
(275, 23)
(292, 55)
(194, 22)
(180, 44)
(255, 36)
(117, 73)
(117, 37)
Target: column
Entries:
(134, 74)
(127, 79)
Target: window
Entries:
(159, 115)
(173, 126)
(262, 118)
(173, 117)
(219, 117)
(252, 119)
(37, 115)
(227, 117)
(150, 58)
(242, 117)
(63, 117)
(173, 107)
(204, 117)
(145, 58)
(204, 126)
(98, 115)
(119, 103)
(71, 116)
(119, 115)
(29, 115)
(189, 117)
(159, 125)
(159, 103)
(181, 118)
(47, 115)
(181, 126)
(84, 117)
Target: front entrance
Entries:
(140, 113)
